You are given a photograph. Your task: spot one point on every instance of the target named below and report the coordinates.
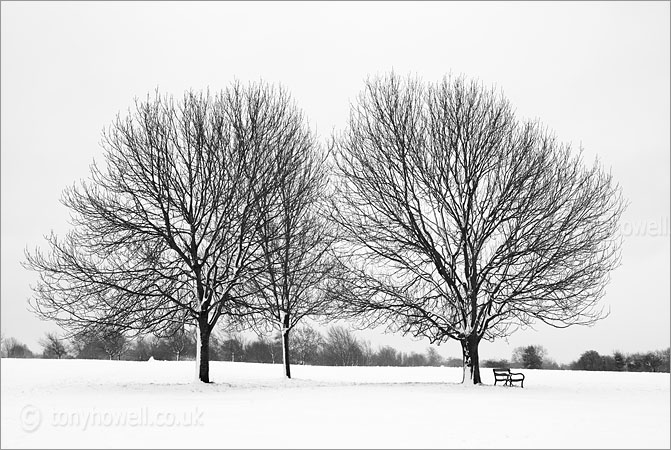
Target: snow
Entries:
(105, 404)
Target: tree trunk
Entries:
(285, 346)
(203, 350)
(469, 348)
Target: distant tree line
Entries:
(527, 357)
(655, 361)
(13, 348)
(337, 347)
(535, 357)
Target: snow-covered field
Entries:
(93, 404)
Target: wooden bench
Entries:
(508, 377)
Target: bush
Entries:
(529, 357)
(495, 363)
(590, 360)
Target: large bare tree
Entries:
(167, 230)
(465, 222)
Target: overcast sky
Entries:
(596, 73)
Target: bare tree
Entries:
(367, 354)
(341, 347)
(53, 346)
(464, 222)
(113, 341)
(433, 358)
(386, 356)
(13, 348)
(142, 349)
(102, 339)
(232, 347)
(298, 267)
(272, 346)
(167, 232)
(307, 344)
(179, 340)
(263, 350)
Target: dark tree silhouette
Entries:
(53, 346)
(167, 232)
(589, 360)
(619, 361)
(463, 222)
(386, 356)
(307, 345)
(529, 357)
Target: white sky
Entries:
(596, 73)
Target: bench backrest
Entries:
(501, 373)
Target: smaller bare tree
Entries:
(386, 356)
(433, 358)
(108, 338)
(272, 346)
(53, 346)
(307, 344)
(298, 265)
(234, 348)
(179, 340)
(341, 347)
